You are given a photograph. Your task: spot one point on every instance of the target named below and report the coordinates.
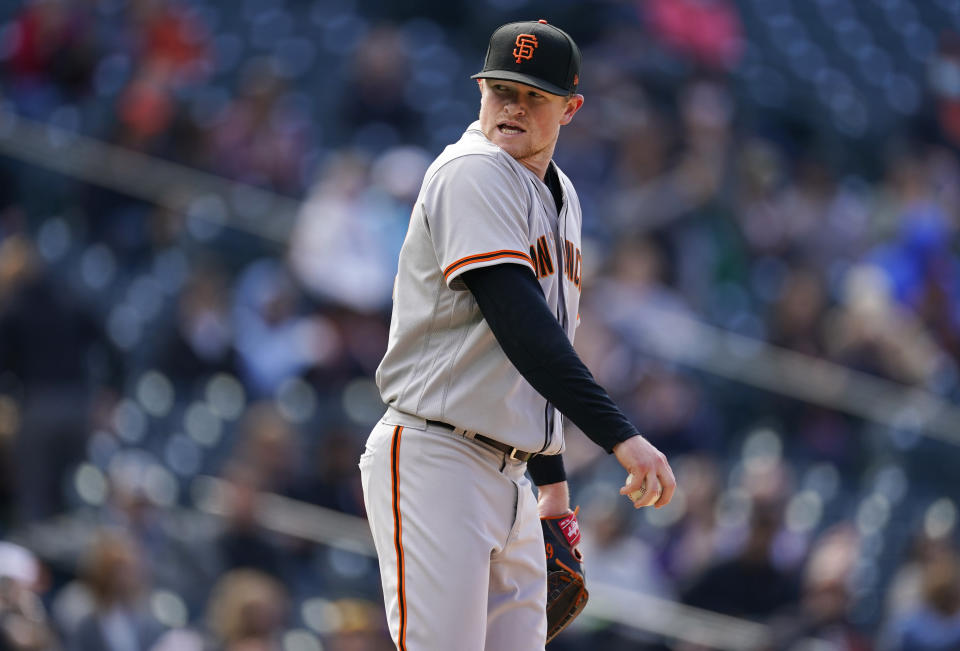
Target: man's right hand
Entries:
(645, 463)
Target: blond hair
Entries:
(246, 603)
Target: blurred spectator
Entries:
(643, 135)
(242, 543)
(805, 206)
(334, 479)
(709, 31)
(824, 611)
(200, 343)
(934, 625)
(905, 593)
(247, 612)
(170, 51)
(637, 274)
(167, 32)
(692, 542)
(23, 618)
(944, 79)
(796, 312)
(363, 340)
(55, 384)
(699, 174)
(177, 545)
(53, 55)
(274, 342)
(380, 72)
(761, 175)
(267, 458)
(361, 627)
(615, 555)
(345, 243)
(873, 333)
(146, 107)
(749, 584)
(268, 448)
(917, 258)
(259, 138)
(920, 225)
(671, 412)
(115, 575)
(13, 219)
(9, 423)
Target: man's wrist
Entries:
(553, 499)
(623, 436)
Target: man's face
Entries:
(524, 121)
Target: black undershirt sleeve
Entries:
(546, 469)
(511, 300)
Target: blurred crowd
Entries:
(143, 349)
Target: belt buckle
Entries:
(513, 454)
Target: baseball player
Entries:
(480, 366)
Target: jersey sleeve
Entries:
(476, 212)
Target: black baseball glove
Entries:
(566, 591)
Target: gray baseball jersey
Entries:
(478, 207)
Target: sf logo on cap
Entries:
(525, 46)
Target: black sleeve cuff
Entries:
(546, 469)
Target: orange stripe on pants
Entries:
(398, 537)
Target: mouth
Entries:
(509, 129)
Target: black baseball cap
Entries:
(533, 53)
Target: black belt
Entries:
(511, 452)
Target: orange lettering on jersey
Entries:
(526, 44)
(576, 271)
(571, 263)
(544, 261)
(568, 259)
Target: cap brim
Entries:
(508, 75)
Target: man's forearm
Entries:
(553, 499)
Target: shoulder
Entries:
(474, 156)
(474, 142)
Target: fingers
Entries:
(668, 485)
(642, 489)
(651, 480)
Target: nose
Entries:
(515, 106)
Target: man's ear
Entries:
(573, 105)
